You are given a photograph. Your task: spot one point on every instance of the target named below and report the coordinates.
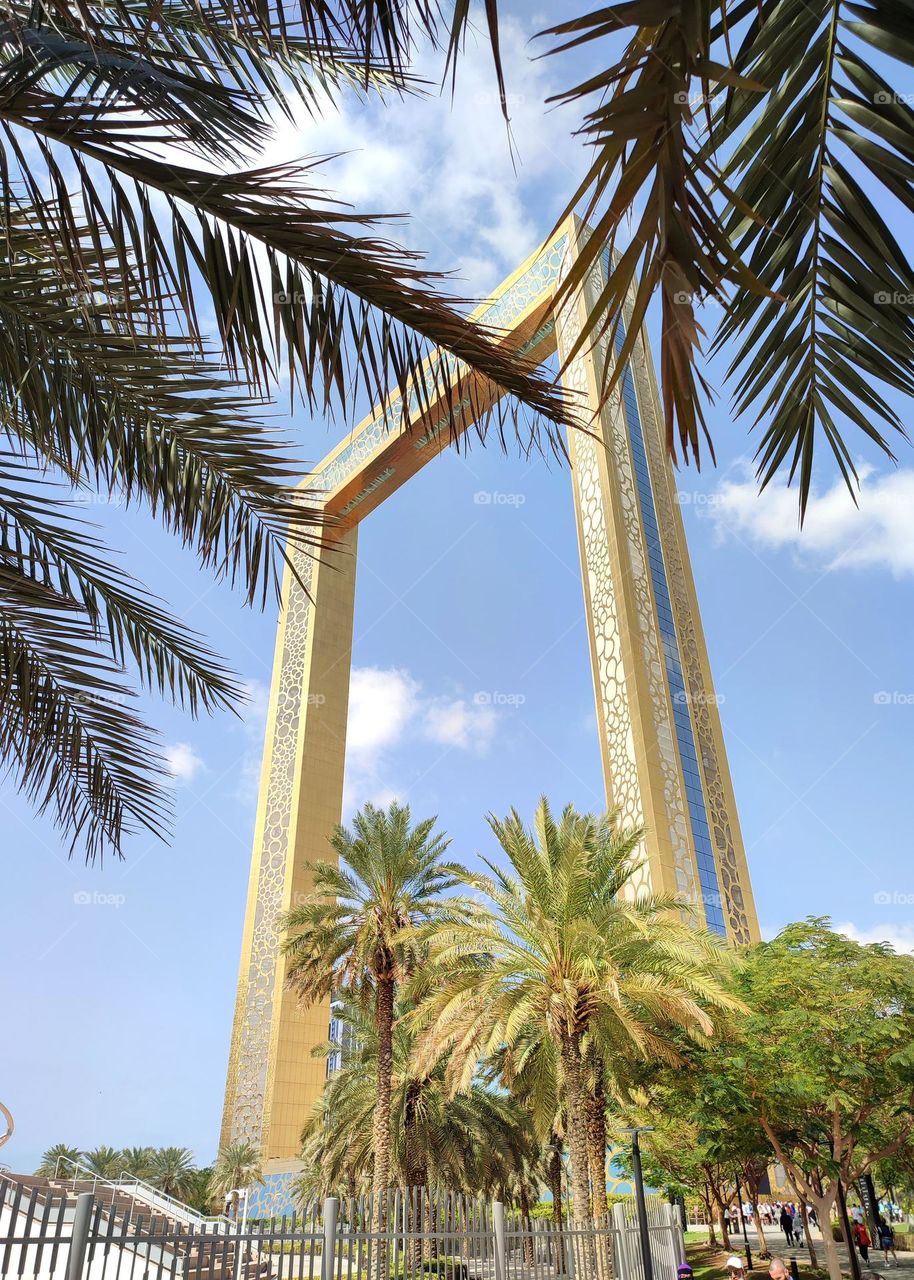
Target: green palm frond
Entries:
(69, 736)
(131, 206)
(836, 321)
(652, 187)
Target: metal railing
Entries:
(139, 1190)
(413, 1234)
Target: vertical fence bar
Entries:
(80, 1237)
(328, 1249)
(501, 1252)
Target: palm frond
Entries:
(69, 737)
(836, 319)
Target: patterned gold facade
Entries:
(663, 755)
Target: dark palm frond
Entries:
(650, 167)
(348, 309)
(70, 738)
(38, 540)
(836, 321)
(143, 416)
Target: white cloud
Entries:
(389, 710)
(448, 163)
(381, 702)
(836, 534)
(457, 723)
(183, 763)
(900, 936)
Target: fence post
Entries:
(79, 1238)
(501, 1242)
(676, 1232)
(624, 1269)
(328, 1249)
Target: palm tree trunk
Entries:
(414, 1156)
(384, 1015)
(525, 1225)
(384, 1018)
(577, 1126)
(554, 1175)
(596, 1146)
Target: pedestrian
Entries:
(736, 1268)
(887, 1241)
(684, 1271)
(862, 1237)
(777, 1269)
(786, 1224)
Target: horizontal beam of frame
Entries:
(380, 454)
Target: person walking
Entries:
(786, 1224)
(862, 1237)
(887, 1241)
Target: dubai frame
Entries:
(663, 755)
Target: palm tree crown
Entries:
(238, 1165)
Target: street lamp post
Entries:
(643, 1230)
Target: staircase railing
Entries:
(144, 1192)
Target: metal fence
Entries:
(103, 1234)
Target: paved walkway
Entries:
(774, 1238)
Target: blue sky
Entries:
(472, 687)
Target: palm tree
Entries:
(355, 933)
(171, 1171)
(565, 948)
(59, 1161)
(111, 248)
(137, 1162)
(475, 1141)
(238, 1165)
(198, 1191)
(105, 1162)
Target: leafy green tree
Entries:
(565, 947)
(197, 1191)
(825, 1057)
(356, 933)
(116, 239)
(172, 1169)
(59, 1161)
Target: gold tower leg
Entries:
(659, 730)
(273, 1080)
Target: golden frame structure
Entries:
(663, 755)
